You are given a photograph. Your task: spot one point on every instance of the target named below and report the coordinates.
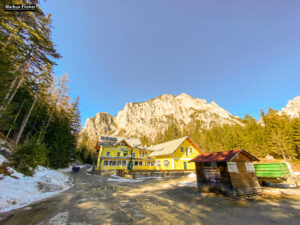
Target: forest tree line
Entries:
(36, 110)
(274, 134)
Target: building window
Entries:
(166, 163)
(146, 153)
(105, 163)
(232, 167)
(107, 153)
(118, 154)
(133, 155)
(119, 163)
(112, 163)
(122, 148)
(158, 163)
(152, 163)
(191, 150)
(187, 151)
(148, 163)
(182, 149)
(140, 163)
(249, 167)
(123, 163)
(136, 163)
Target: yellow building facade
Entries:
(123, 153)
(175, 155)
(116, 153)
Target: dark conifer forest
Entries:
(37, 113)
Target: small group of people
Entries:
(75, 169)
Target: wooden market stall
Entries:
(229, 172)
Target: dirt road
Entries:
(93, 200)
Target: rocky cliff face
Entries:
(154, 116)
(292, 108)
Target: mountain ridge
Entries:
(153, 117)
(175, 115)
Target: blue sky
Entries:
(244, 55)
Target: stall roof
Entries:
(221, 156)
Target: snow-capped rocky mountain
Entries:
(152, 117)
(292, 109)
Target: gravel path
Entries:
(93, 200)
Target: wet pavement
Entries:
(93, 200)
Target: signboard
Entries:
(232, 167)
(210, 172)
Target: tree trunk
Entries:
(7, 95)
(29, 133)
(25, 122)
(15, 91)
(9, 39)
(50, 116)
(18, 85)
(16, 117)
(282, 154)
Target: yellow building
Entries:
(119, 153)
(175, 154)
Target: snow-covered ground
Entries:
(69, 169)
(191, 175)
(2, 159)
(16, 193)
(3, 149)
(115, 178)
(188, 184)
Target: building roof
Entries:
(169, 147)
(113, 141)
(133, 142)
(221, 156)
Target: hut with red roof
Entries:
(229, 172)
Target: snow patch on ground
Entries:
(2, 159)
(146, 178)
(69, 169)
(16, 193)
(188, 184)
(191, 175)
(3, 149)
(65, 170)
(90, 169)
(115, 178)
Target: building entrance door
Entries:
(185, 165)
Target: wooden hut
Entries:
(229, 172)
